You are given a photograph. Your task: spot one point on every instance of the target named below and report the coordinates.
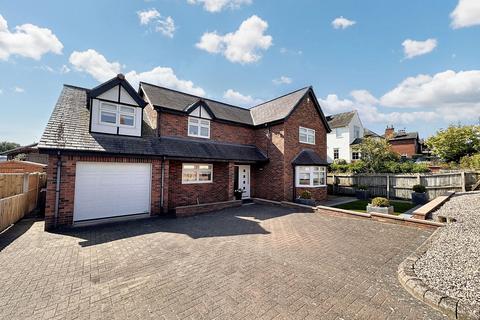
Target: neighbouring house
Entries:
(114, 151)
(26, 153)
(16, 166)
(406, 144)
(347, 133)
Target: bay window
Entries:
(197, 173)
(310, 176)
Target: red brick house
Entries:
(114, 151)
(406, 144)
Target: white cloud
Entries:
(18, 90)
(413, 48)
(242, 46)
(64, 69)
(287, 51)
(342, 23)
(236, 98)
(95, 64)
(27, 40)
(282, 80)
(219, 5)
(164, 25)
(466, 14)
(146, 16)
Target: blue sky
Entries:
(413, 64)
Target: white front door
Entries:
(244, 180)
(111, 189)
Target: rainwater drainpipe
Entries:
(294, 186)
(162, 183)
(57, 187)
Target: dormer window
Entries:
(117, 115)
(199, 128)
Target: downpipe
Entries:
(57, 188)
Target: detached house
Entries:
(406, 144)
(346, 129)
(115, 151)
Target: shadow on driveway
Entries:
(244, 220)
(14, 232)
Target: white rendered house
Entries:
(347, 130)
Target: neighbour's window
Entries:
(197, 173)
(356, 132)
(311, 176)
(306, 135)
(338, 133)
(198, 127)
(355, 155)
(336, 154)
(117, 115)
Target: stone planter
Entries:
(384, 210)
(362, 194)
(419, 198)
(307, 202)
(238, 195)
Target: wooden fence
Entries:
(19, 195)
(400, 185)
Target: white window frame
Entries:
(338, 153)
(307, 132)
(199, 126)
(197, 172)
(310, 170)
(118, 113)
(358, 155)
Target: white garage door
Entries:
(105, 190)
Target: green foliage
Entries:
(375, 153)
(455, 142)
(5, 146)
(419, 188)
(306, 194)
(340, 161)
(470, 162)
(386, 167)
(380, 202)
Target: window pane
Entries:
(108, 117)
(205, 122)
(127, 110)
(188, 166)
(303, 137)
(204, 166)
(189, 176)
(205, 176)
(108, 107)
(311, 139)
(204, 132)
(126, 120)
(193, 130)
(304, 179)
(303, 131)
(193, 120)
(316, 179)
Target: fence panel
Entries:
(11, 184)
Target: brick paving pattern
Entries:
(253, 262)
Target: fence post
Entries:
(388, 186)
(419, 179)
(464, 187)
(26, 180)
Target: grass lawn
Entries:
(361, 206)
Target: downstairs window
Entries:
(310, 176)
(197, 173)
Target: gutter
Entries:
(57, 187)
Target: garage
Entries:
(104, 190)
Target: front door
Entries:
(244, 180)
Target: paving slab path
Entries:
(252, 262)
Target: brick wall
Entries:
(408, 147)
(67, 186)
(15, 166)
(187, 194)
(177, 125)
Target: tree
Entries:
(375, 154)
(5, 146)
(455, 142)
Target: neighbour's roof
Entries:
(340, 120)
(180, 101)
(20, 149)
(404, 136)
(308, 157)
(370, 133)
(68, 129)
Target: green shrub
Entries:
(380, 202)
(306, 194)
(361, 187)
(419, 188)
(471, 162)
(340, 161)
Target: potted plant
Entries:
(380, 205)
(238, 194)
(361, 192)
(306, 198)
(419, 194)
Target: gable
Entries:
(310, 99)
(200, 110)
(117, 90)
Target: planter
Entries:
(238, 195)
(362, 194)
(384, 210)
(308, 202)
(419, 198)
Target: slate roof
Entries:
(404, 136)
(20, 149)
(370, 133)
(308, 157)
(340, 120)
(180, 101)
(68, 129)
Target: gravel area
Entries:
(452, 264)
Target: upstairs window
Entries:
(112, 114)
(198, 127)
(338, 133)
(306, 135)
(311, 176)
(197, 173)
(356, 132)
(336, 153)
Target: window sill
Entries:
(196, 182)
(311, 187)
(312, 144)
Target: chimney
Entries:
(121, 76)
(389, 131)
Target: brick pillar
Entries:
(50, 196)
(166, 180)
(231, 174)
(156, 185)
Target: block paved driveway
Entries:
(253, 262)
